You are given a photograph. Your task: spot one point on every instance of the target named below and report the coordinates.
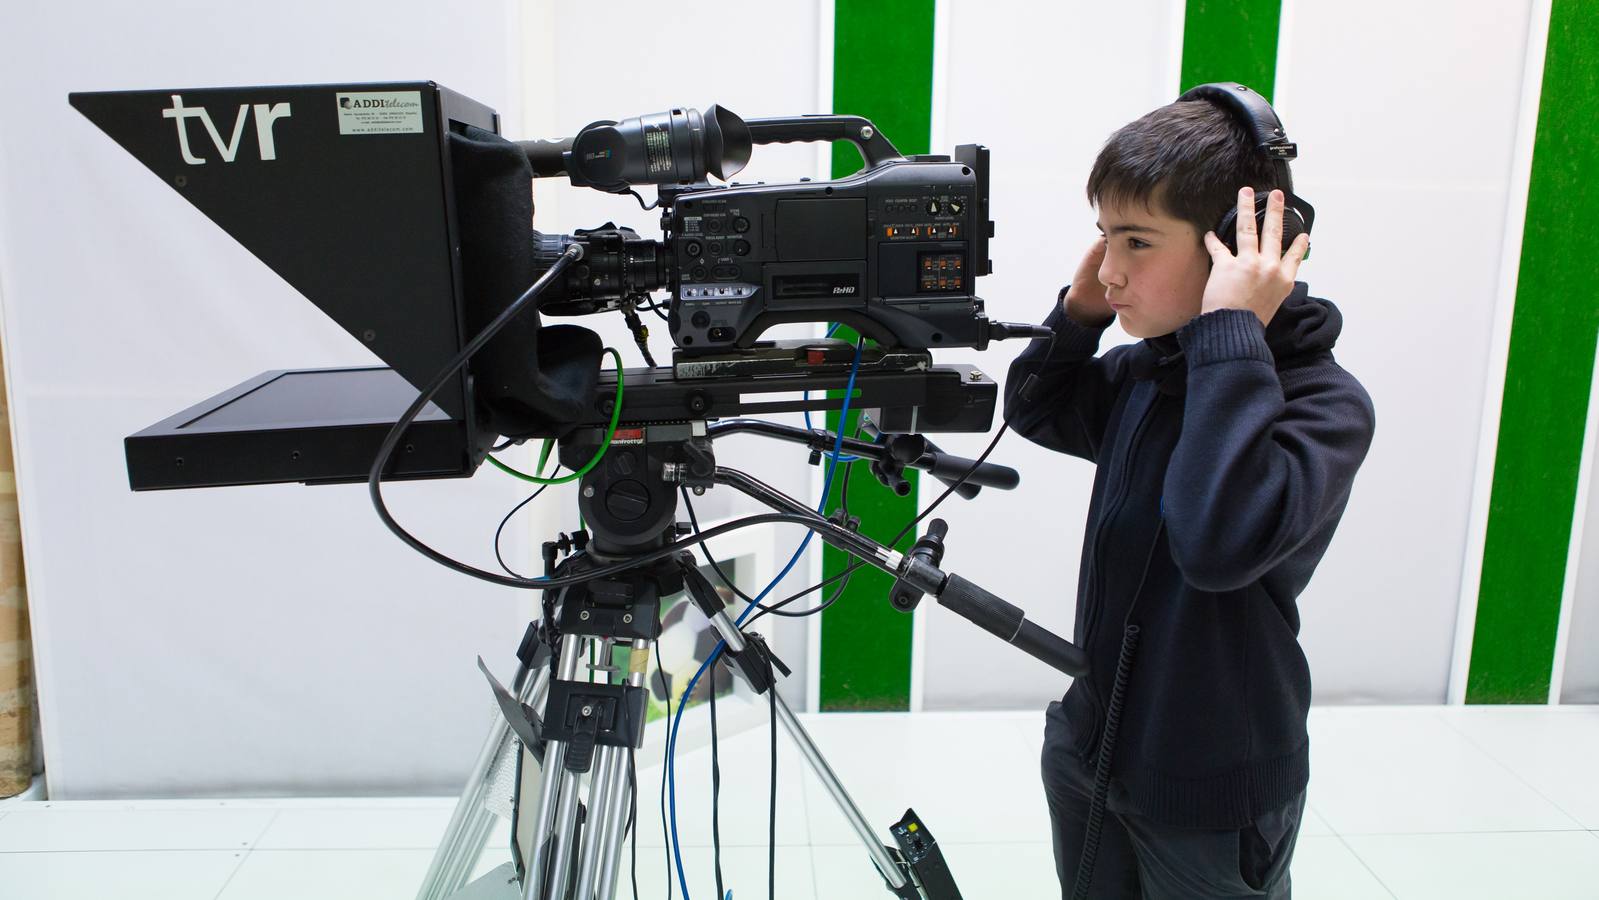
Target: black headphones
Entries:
(1260, 120)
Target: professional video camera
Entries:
(893, 252)
(400, 211)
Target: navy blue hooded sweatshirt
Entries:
(1245, 440)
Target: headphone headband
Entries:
(1256, 115)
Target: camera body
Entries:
(893, 252)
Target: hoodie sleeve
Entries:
(1257, 469)
(1069, 404)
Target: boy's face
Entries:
(1155, 268)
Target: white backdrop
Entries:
(1580, 674)
(242, 640)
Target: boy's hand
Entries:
(1261, 276)
(1085, 300)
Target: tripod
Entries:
(573, 726)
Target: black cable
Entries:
(498, 531)
(392, 439)
(716, 792)
(666, 836)
(761, 608)
(1107, 745)
(843, 489)
(506, 444)
(777, 608)
(694, 523)
(1107, 737)
(632, 813)
(659, 307)
(641, 335)
(657, 202)
(771, 824)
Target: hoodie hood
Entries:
(1304, 326)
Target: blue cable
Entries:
(808, 426)
(671, 738)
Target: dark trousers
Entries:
(1139, 858)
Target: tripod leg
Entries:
(565, 825)
(614, 822)
(552, 782)
(600, 798)
(885, 863)
(890, 870)
(471, 822)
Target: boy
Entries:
(1225, 445)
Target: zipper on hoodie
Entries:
(1118, 498)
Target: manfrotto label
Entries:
(399, 112)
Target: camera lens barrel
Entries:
(617, 263)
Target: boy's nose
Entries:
(1111, 276)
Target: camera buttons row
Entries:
(717, 226)
(739, 247)
(717, 291)
(894, 232)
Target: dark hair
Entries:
(1187, 159)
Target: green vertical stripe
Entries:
(1547, 379)
(1234, 40)
(883, 70)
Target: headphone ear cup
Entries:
(1227, 229)
(1293, 226)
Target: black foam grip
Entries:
(947, 468)
(1046, 645)
(985, 610)
(1010, 624)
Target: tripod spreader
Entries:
(747, 651)
(915, 572)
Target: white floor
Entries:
(1406, 803)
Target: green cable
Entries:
(610, 431)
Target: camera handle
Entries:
(874, 147)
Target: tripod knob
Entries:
(627, 500)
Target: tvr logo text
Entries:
(265, 116)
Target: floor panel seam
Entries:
(250, 848)
(1506, 766)
(1367, 866)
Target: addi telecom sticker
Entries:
(396, 112)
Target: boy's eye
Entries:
(1136, 244)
